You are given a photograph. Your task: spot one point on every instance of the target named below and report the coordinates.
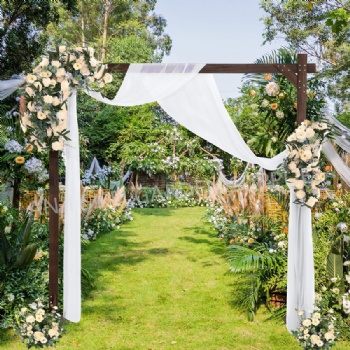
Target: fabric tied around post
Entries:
(72, 210)
(300, 275)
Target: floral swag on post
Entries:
(302, 164)
(48, 88)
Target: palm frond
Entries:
(243, 259)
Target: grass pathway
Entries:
(162, 283)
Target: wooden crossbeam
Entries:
(230, 68)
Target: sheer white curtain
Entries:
(300, 275)
(342, 169)
(72, 212)
(7, 87)
(191, 99)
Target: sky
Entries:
(216, 31)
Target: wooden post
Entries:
(301, 88)
(53, 228)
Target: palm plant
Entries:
(18, 253)
(255, 266)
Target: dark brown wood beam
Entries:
(301, 88)
(228, 68)
(53, 228)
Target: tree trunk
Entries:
(105, 25)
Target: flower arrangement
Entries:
(48, 88)
(302, 163)
(39, 328)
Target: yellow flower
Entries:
(268, 77)
(250, 240)
(295, 105)
(252, 93)
(281, 95)
(273, 106)
(19, 160)
(29, 147)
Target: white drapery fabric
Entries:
(342, 169)
(192, 99)
(72, 230)
(7, 87)
(343, 140)
(300, 275)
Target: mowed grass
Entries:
(162, 283)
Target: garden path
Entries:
(162, 283)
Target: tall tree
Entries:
(22, 37)
(320, 28)
(102, 22)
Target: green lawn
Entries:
(162, 283)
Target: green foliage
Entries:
(319, 28)
(21, 34)
(335, 264)
(18, 253)
(135, 20)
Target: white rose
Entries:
(30, 319)
(315, 339)
(329, 335)
(44, 62)
(291, 137)
(297, 173)
(38, 336)
(315, 321)
(56, 101)
(272, 89)
(85, 70)
(292, 166)
(299, 184)
(31, 106)
(300, 194)
(300, 135)
(311, 201)
(108, 78)
(39, 318)
(306, 323)
(310, 133)
(47, 99)
(61, 72)
(53, 82)
(56, 63)
(29, 91)
(46, 82)
(38, 85)
(57, 146)
(98, 75)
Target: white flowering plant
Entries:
(304, 147)
(322, 329)
(39, 327)
(48, 88)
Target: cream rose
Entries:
(306, 323)
(47, 99)
(56, 101)
(46, 82)
(30, 319)
(29, 91)
(65, 85)
(31, 106)
(56, 63)
(44, 62)
(62, 49)
(108, 78)
(300, 194)
(61, 72)
(299, 184)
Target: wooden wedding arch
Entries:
(295, 73)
